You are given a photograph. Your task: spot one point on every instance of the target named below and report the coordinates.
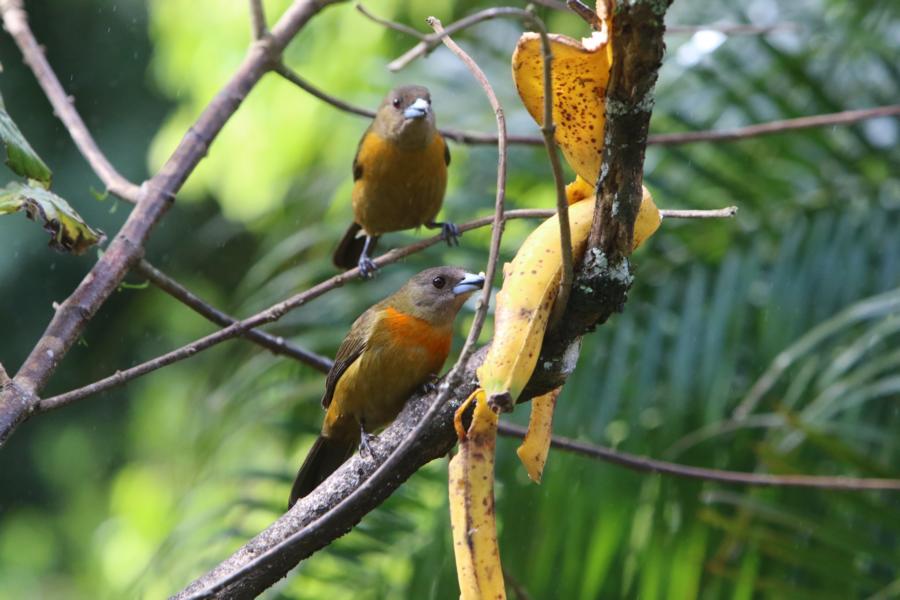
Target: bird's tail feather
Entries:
(325, 456)
(350, 248)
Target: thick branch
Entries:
(277, 344)
(311, 523)
(357, 487)
(650, 465)
(157, 195)
(15, 21)
(638, 47)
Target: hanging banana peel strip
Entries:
(536, 445)
(475, 547)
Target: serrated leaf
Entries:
(20, 156)
(68, 231)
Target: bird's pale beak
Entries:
(469, 284)
(417, 109)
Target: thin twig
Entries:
(450, 382)
(307, 87)
(733, 28)
(499, 220)
(590, 17)
(462, 137)
(260, 318)
(16, 23)
(273, 313)
(433, 40)
(20, 399)
(548, 129)
(276, 344)
(660, 139)
(585, 12)
(517, 587)
(554, 4)
(392, 256)
(739, 133)
(258, 20)
(391, 24)
(649, 465)
(717, 213)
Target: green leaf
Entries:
(68, 231)
(20, 156)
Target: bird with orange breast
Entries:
(399, 177)
(392, 349)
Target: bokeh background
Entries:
(133, 493)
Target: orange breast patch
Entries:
(409, 331)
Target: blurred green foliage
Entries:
(135, 492)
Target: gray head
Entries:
(405, 116)
(436, 294)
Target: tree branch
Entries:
(649, 465)
(462, 137)
(433, 40)
(732, 28)
(391, 24)
(584, 11)
(189, 350)
(727, 135)
(637, 47)
(277, 344)
(15, 21)
(258, 20)
(659, 139)
(548, 129)
(273, 313)
(20, 399)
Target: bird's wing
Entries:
(351, 349)
(357, 166)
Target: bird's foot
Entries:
(450, 232)
(367, 268)
(365, 444)
(430, 385)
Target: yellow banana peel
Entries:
(647, 221)
(524, 303)
(580, 77)
(578, 190)
(475, 547)
(530, 287)
(536, 445)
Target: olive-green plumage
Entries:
(392, 349)
(399, 176)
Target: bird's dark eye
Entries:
(439, 282)
(396, 102)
